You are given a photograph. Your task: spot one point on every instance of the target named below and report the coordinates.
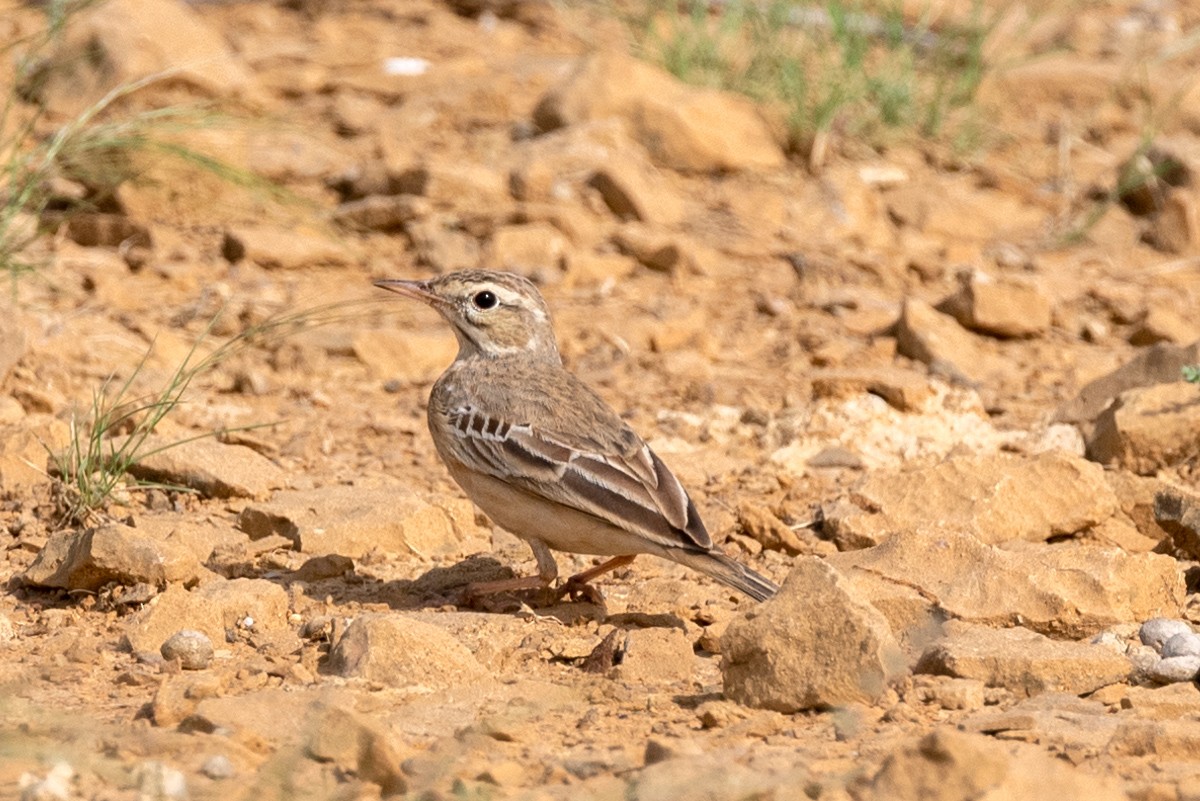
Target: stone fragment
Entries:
(996, 498)
(1022, 661)
(656, 655)
(453, 181)
(1171, 669)
(928, 336)
(947, 765)
(213, 609)
(707, 777)
(1149, 428)
(134, 40)
(531, 248)
(1174, 740)
(1161, 324)
(386, 213)
(957, 575)
(584, 269)
(442, 245)
(636, 194)
(1157, 364)
(950, 692)
(1156, 631)
(23, 451)
(656, 249)
(282, 248)
(217, 767)
(405, 652)
(14, 340)
(356, 744)
(408, 355)
(212, 468)
(352, 521)
(1178, 513)
(1000, 306)
(192, 648)
(96, 229)
(787, 655)
(91, 558)
(683, 127)
(904, 390)
(1176, 226)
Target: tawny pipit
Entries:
(541, 453)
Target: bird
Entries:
(542, 454)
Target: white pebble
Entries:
(1158, 630)
(217, 766)
(1176, 669)
(55, 787)
(1182, 644)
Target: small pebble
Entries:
(1176, 669)
(217, 766)
(1110, 640)
(1158, 630)
(193, 649)
(1182, 644)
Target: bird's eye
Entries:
(485, 300)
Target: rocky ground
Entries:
(910, 385)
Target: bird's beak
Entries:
(418, 290)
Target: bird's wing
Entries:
(627, 485)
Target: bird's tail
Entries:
(727, 571)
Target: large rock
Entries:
(1178, 513)
(1023, 661)
(246, 604)
(1149, 428)
(402, 651)
(700, 130)
(931, 337)
(282, 248)
(212, 468)
(946, 765)
(127, 41)
(1157, 364)
(1003, 307)
(1064, 590)
(996, 498)
(356, 744)
(352, 521)
(813, 645)
(94, 557)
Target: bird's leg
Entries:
(578, 584)
(547, 573)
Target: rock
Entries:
(984, 584)
(96, 229)
(1149, 428)
(1161, 324)
(453, 182)
(904, 390)
(947, 765)
(387, 213)
(1156, 631)
(589, 270)
(686, 128)
(656, 249)
(1022, 661)
(813, 645)
(14, 341)
(1178, 513)
(996, 498)
(212, 609)
(134, 40)
(1176, 226)
(193, 649)
(217, 767)
(402, 651)
(212, 468)
(357, 745)
(1172, 669)
(928, 336)
(282, 248)
(636, 194)
(408, 355)
(23, 457)
(352, 521)
(442, 245)
(656, 655)
(1158, 364)
(94, 557)
(1003, 307)
(950, 692)
(536, 248)
(1174, 740)
(708, 777)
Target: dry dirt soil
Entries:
(937, 396)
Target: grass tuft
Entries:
(856, 68)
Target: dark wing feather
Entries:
(632, 489)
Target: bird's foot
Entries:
(578, 589)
